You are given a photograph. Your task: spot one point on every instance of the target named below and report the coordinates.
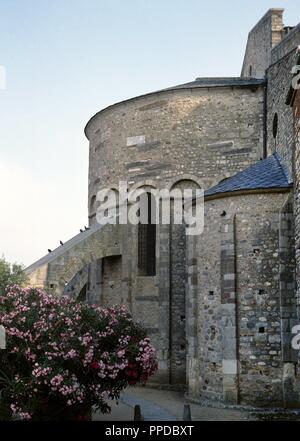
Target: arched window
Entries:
(147, 237)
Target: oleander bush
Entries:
(63, 357)
(11, 274)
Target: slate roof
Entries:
(219, 82)
(266, 174)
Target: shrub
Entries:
(11, 274)
(63, 357)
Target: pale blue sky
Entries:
(67, 59)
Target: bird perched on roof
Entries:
(81, 231)
(86, 228)
(61, 242)
(49, 251)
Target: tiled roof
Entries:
(266, 174)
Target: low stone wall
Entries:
(54, 271)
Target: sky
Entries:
(64, 60)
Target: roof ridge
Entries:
(283, 167)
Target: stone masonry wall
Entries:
(210, 133)
(95, 281)
(279, 82)
(296, 111)
(56, 270)
(259, 281)
(112, 281)
(290, 42)
(265, 35)
(178, 279)
(238, 317)
(198, 135)
(288, 306)
(75, 285)
(177, 310)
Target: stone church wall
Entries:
(296, 112)
(234, 298)
(288, 44)
(196, 135)
(210, 133)
(221, 306)
(279, 77)
(111, 281)
(265, 35)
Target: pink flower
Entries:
(57, 380)
(71, 354)
(49, 338)
(121, 353)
